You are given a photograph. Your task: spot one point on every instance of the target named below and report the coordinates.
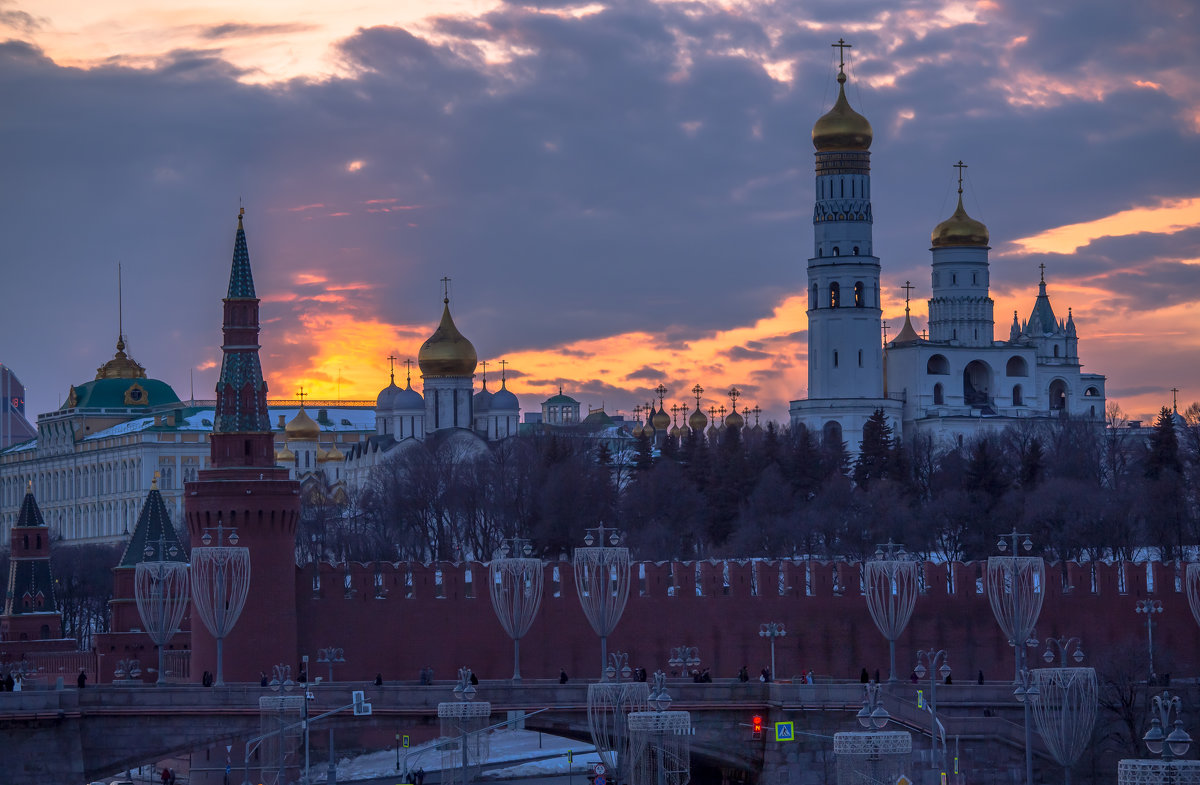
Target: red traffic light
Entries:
(756, 725)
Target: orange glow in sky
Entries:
(1168, 217)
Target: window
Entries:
(856, 250)
(974, 278)
(1058, 395)
(938, 365)
(1016, 398)
(1092, 392)
(815, 298)
(860, 358)
(938, 396)
(835, 358)
(1016, 366)
(835, 294)
(1055, 350)
(836, 251)
(832, 433)
(858, 294)
(954, 278)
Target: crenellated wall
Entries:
(395, 618)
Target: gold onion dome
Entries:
(660, 420)
(285, 456)
(447, 352)
(302, 428)
(334, 454)
(697, 421)
(960, 229)
(637, 431)
(841, 128)
(735, 420)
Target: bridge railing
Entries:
(177, 666)
(47, 666)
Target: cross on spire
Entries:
(841, 46)
(907, 287)
(408, 375)
(504, 370)
(734, 392)
(1042, 267)
(446, 289)
(1175, 399)
(697, 391)
(392, 367)
(884, 324)
(301, 395)
(960, 166)
(484, 364)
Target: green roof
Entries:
(560, 399)
(121, 394)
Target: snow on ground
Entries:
(532, 754)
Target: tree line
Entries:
(1084, 491)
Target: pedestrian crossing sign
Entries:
(406, 741)
(903, 780)
(785, 731)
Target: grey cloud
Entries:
(249, 30)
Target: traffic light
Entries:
(756, 725)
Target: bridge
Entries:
(71, 735)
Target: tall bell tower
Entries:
(243, 490)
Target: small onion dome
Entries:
(447, 352)
(483, 401)
(960, 229)
(387, 396)
(504, 399)
(841, 128)
(735, 420)
(302, 428)
(637, 431)
(697, 421)
(674, 431)
(660, 420)
(285, 456)
(334, 454)
(907, 333)
(408, 398)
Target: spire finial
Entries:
(884, 325)
(446, 290)
(408, 375)
(841, 46)
(154, 482)
(1175, 399)
(734, 393)
(907, 287)
(503, 374)
(301, 395)
(392, 367)
(697, 391)
(120, 311)
(1042, 267)
(662, 393)
(484, 364)
(960, 166)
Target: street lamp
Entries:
(772, 630)
(516, 588)
(933, 663)
(281, 681)
(684, 657)
(1063, 645)
(609, 703)
(1064, 708)
(602, 582)
(160, 588)
(660, 749)
(872, 715)
(464, 719)
(329, 656)
(1149, 607)
(220, 583)
(891, 591)
(1176, 743)
(1016, 588)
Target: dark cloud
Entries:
(20, 21)
(635, 169)
(248, 30)
(743, 353)
(645, 373)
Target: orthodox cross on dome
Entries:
(446, 289)
(1042, 267)
(907, 287)
(841, 46)
(392, 367)
(884, 326)
(697, 391)
(712, 413)
(1175, 399)
(408, 374)
(757, 411)
(674, 413)
(734, 393)
(504, 372)
(484, 364)
(301, 395)
(662, 393)
(960, 166)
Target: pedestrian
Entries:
(474, 678)
(81, 681)
(420, 776)
(303, 676)
(262, 679)
(562, 675)
(378, 679)
(165, 775)
(981, 676)
(707, 676)
(863, 678)
(8, 682)
(948, 681)
(808, 677)
(743, 675)
(877, 675)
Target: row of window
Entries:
(835, 295)
(67, 484)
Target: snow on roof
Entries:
(337, 421)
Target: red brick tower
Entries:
(29, 612)
(244, 490)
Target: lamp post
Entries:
(1063, 645)
(464, 719)
(772, 630)
(516, 588)
(281, 681)
(329, 656)
(660, 749)
(933, 663)
(1064, 707)
(684, 657)
(160, 588)
(1150, 607)
(1016, 588)
(602, 582)
(609, 704)
(220, 583)
(872, 715)
(891, 591)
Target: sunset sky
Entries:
(621, 192)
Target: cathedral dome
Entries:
(483, 400)
(697, 421)
(285, 456)
(735, 420)
(960, 229)
(447, 352)
(387, 397)
(842, 129)
(302, 428)
(121, 366)
(660, 420)
(408, 398)
(504, 399)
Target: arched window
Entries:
(836, 251)
(816, 302)
(939, 397)
(1016, 366)
(1016, 398)
(938, 365)
(1055, 350)
(835, 294)
(1058, 396)
(831, 434)
(858, 294)
(856, 250)
(1092, 392)
(977, 383)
